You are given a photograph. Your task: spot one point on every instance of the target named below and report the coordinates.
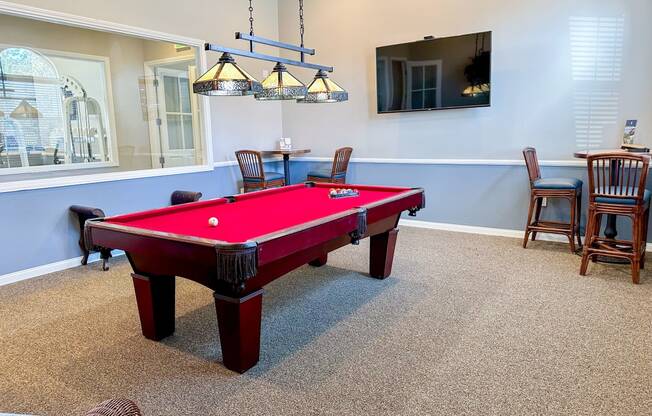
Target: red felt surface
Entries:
(254, 215)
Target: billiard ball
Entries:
(212, 221)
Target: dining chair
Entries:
(254, 176)
(617, 187)
(337, 173)
(563, 188)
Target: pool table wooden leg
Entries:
(238, 320)
(381, 253)
(319, 261)
(155, 298)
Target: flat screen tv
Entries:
(434, 74)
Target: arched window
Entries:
(31, 109)
(26, 62)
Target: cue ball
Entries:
(212, 221)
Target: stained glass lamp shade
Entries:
(281, 85)
(25, 111)
(475, 90)
(226, 78)
(323, 90)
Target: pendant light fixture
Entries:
(323, 90)
(476, 90)
(477, 72)
(281, 85)
(227, 78)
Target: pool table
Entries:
(260, 236)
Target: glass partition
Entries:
(76, 101)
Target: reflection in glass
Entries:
(118, 103)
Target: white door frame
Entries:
(157, 128)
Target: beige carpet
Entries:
(467, 324)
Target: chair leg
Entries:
(529, 220)
(537, 214)
(588, 241)
(84, 260)
(646, 219)
(579, 219)
(597, 226)
(637, 233)
(571, 236)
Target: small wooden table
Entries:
(286, 159)
(610, 230)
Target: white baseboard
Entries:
(57, 266)
(499, 232)
(472, 229)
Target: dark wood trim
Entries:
(238, 321)
(584, 154)
(319, 261)
(279, 152)
(155, 299)
(381, 254)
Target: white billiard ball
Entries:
(212, 221)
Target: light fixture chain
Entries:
(251, 18)
(301, 26)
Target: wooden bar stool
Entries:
(566, 188)
(617, 187)
(254, 176)
(337, 174)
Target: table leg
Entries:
(238, 320)
(610, 230)
(155, 299)
(320, 261)
(286, 168)
(381, 253)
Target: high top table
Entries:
(610, 230)
(286, 159)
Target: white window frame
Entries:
(20, 10)
(108, 113)
(412, 64)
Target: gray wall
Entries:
(36, 227)
(540, 96)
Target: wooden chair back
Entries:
(341, 161)
(532, 163)
(251, 164)
(617, 175)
